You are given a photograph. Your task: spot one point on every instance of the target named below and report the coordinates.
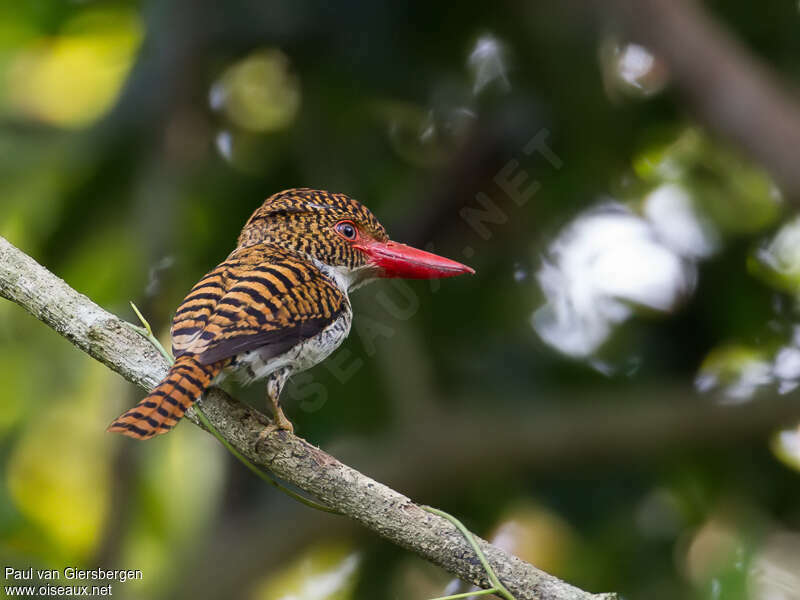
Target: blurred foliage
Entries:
(736, 196)
(58, 474)
(137, 137)
(258, 93)
(323, 572)
(71, 78)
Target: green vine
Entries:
(147, 332)
(497, 587)
(468, 594)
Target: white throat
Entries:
(345, 278)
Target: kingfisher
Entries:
(279, 304)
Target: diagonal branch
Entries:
(377, 507)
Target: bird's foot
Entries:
(280, 423)
(278, 418)
(265, 433)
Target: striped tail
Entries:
(167, 403)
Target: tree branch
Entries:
(377, 507)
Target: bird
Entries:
(278, 304)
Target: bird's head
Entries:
(342, 236)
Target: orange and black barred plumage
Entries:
(278, 304)
(161, 410)
(261, 295)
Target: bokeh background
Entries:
(611, 397)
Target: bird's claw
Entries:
(281, 424)
(279, 420)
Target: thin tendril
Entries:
(468, 594)
(258, 472)
(499, 588)
(147, 332)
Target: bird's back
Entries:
(261, 309)
(278, 304)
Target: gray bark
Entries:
(379, 508)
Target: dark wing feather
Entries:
(273, 343)
(260, 297)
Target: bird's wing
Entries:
(260, 297)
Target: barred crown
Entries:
(302, 220)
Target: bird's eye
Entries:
(347, 230)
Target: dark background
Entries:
(660, 461)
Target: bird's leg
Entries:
(275, 384)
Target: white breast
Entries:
(253, 365)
